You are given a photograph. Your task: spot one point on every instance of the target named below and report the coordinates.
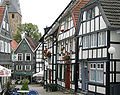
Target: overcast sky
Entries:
(42, 12)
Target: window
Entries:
(96, 72)
(102, 39)
(85, 41)
(27, 67)
(6, 47)
(1, 46)
(93, 40)
(27, 57)
(19, 67)
(20, 57)
(13, 16)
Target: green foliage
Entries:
(17, 37)
(29, 29)
(25, 84)
(52, 87)
(9, 85)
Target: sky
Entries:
(42, 12)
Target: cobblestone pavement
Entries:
(42, 91)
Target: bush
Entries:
(25, 84)
(52, 87)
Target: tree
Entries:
(30, 30)
(17, 37)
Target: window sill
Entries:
(96, 83)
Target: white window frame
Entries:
(21, 57)
(102, 39)
(26, 56)
(6, 47)
(2, 46)
(97, 72)
(93, 40)
(29, 67)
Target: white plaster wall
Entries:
(117, 77)
(101, 90)
(91, 88)
(116, 55)
(73, 86)
(79, 85)
(85, 54)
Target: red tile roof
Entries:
(76, 9)
(14, 44)
(2, 10)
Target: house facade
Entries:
(97, 31)
(14, 12)
(66, 46)
(24, 67)
(5, 39)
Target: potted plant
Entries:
(44, 51)
(66, 57)
(48, 54)
(62, 30)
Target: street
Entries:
(42, 91)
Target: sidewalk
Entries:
(42, 91)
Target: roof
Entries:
(13, 5)
(32, 43)
(75, 9)
(111, 10)
(14, 44)
(2, 10)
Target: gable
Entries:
(23, 47)
(91, 19)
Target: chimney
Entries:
(46, 29)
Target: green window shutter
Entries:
(24, 47)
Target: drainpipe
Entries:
(108, 65)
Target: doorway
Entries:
(84, 76)
(67, 76)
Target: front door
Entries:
(67, 76)
(84, 76)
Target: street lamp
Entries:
(111, 50)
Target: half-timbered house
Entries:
(66, 46)
(24, 66)
(5, 39)
(98, 30)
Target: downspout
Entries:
(108, 65)
(53, 60)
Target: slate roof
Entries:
(111, 10)
(14, 6)
(32, 43)
(14, 44)
(2, 10)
